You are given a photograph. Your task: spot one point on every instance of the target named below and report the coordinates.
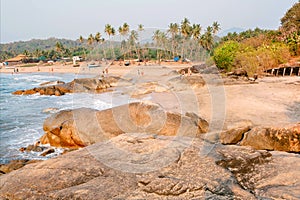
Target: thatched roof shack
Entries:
(16, 60)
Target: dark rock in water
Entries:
(77, 85)
(82, 127)
(29, 92)
(18, 92)
(57, 93)
(279, 139)
(143, 166)
(50, 91)
(35, 148)
(47, 152)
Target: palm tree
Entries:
(206, 40)
(140, 30)
(216, 27)
(160, 39)
(90, 39)
(140, 27)
(186, 32)
(110, 31)
(173, 30)
(195, 33)
(59, 48)
(133, 37)
(98, 37)
(81, 39)
(123, 30)
(186, 28)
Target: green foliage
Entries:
(225, 54)
(291, 20)
(233, 55)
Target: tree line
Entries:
(180, 39)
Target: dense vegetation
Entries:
(50, 48)
(258, 50)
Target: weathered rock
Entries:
(238, 72)
(77, 85)
(83, 127)
(47, 152)
(279, 139)
(143, 166)
(34, 148)
(18, 92)
(29, 92)
(235, 132)
(186, 82)
(57, 93)
(42, 92)
(50, 91)
(50, 83)
(14, 165)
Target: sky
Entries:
(41, 19)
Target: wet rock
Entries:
(270, 138)
(42, 92)
(29, 92)
(50, 91)
(47, 152)
(77, 85)
(50, 110)
(57, 93)
(18, 92)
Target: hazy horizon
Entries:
(33, 19)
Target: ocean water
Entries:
(22, 117)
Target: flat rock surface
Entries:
(146, 166)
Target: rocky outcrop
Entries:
(279, 139)
(77, 85)
(146, 166)
(186, 82)
(235, 132)
(83, 127)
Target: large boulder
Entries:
(82, 127)
(279, 139)
(146, 166)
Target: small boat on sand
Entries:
(93, 66)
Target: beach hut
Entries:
(16, 60)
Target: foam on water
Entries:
(22, 117)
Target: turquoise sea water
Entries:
(22, 117)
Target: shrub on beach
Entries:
(225, 54)
(252, 58)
